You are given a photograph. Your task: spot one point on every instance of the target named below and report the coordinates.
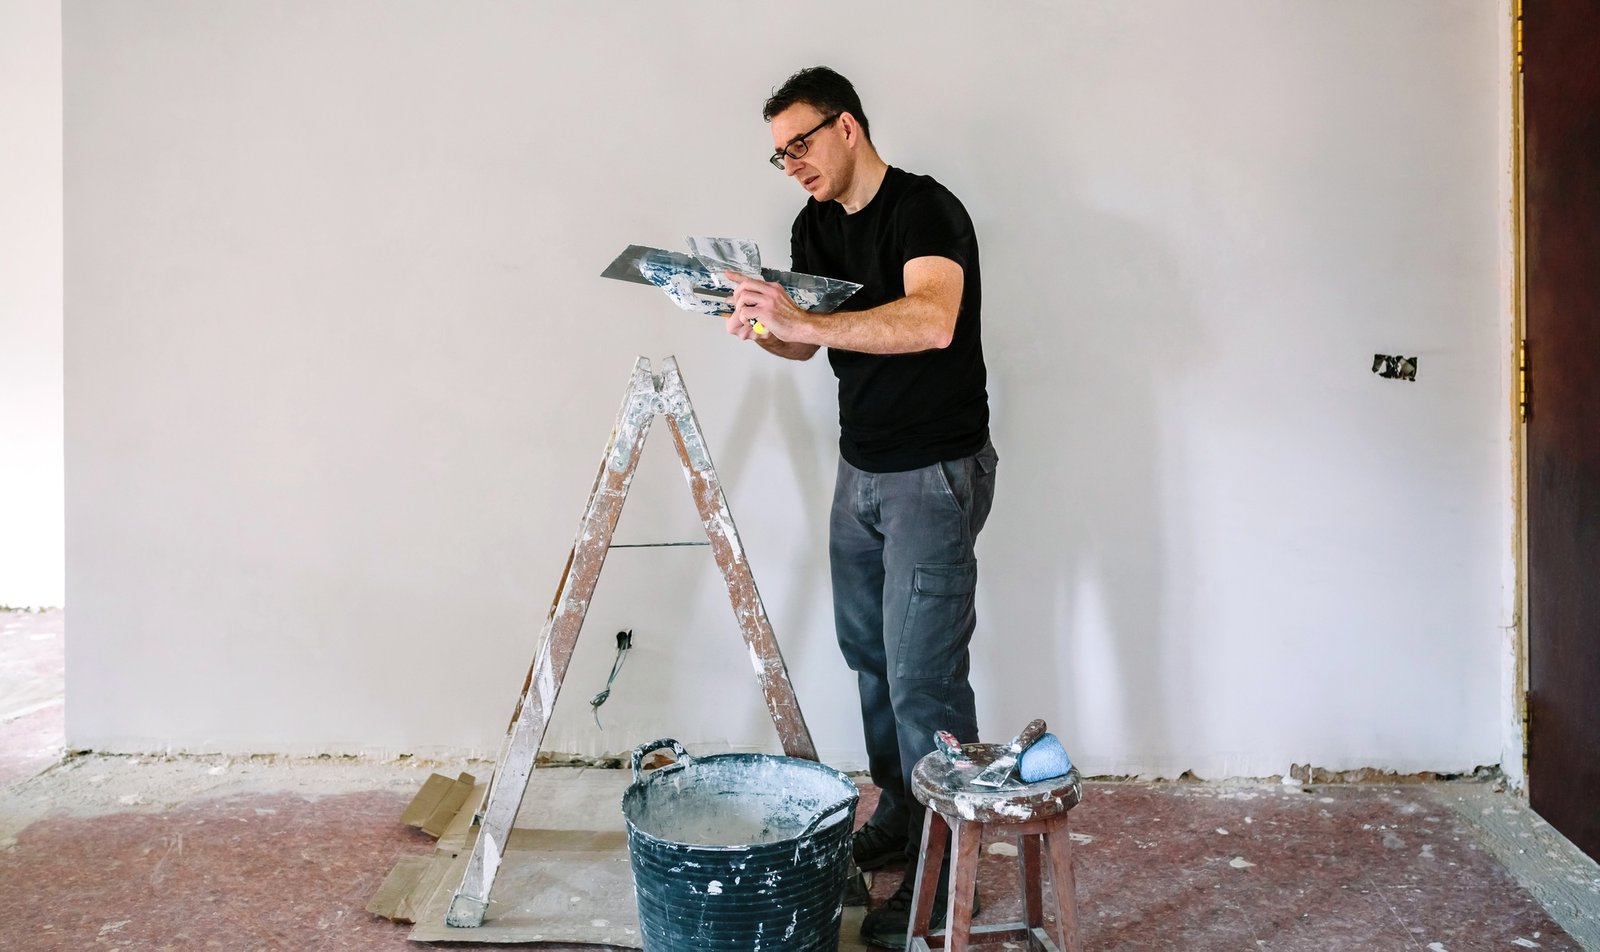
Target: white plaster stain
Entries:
(1239, 862)
(491, 857)
(546, 687)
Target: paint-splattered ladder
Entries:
(648, 395)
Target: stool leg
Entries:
(1058, 840)
(935, 832)
(1029, 878)
(968, 834)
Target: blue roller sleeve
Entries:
(1044, 760)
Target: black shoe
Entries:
(886, 926)
(874, 847)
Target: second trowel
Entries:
(999, 772)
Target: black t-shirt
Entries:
(900, 412)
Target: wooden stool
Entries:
(1034, 814)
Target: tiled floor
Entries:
(261, 853)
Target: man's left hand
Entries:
(756, 300)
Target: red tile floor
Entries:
(262, 853)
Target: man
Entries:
(916, 474)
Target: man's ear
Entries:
(852, 128)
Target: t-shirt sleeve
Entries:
(797, 251)
(933, 222)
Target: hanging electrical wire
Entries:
(624, 642)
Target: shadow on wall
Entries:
(773, 401)
(1086, 325)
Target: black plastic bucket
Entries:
(739, 852)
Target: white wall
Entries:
(342, 369)
(32, 568)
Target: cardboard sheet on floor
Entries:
(565, 876)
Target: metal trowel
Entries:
(998, 773)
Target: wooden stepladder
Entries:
(648, 395)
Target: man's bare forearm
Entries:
(786, 349)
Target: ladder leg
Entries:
(751, 614)
(556, 642)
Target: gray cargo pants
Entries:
(904, 574)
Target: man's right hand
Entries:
(744, 328)
(738, 326)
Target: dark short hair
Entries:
(820, 88)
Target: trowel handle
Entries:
(678, 752)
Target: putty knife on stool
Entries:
(999, 772)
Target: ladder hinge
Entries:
(1516, 28)
(1522, 380)
(1527, 736)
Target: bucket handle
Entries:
(816, 821)
(678, 752)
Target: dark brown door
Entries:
(1561, 115)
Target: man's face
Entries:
(828, 166)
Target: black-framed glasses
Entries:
(797, 148)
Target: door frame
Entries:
(1514, 677)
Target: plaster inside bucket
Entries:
(737, 800)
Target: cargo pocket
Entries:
(939, 620)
